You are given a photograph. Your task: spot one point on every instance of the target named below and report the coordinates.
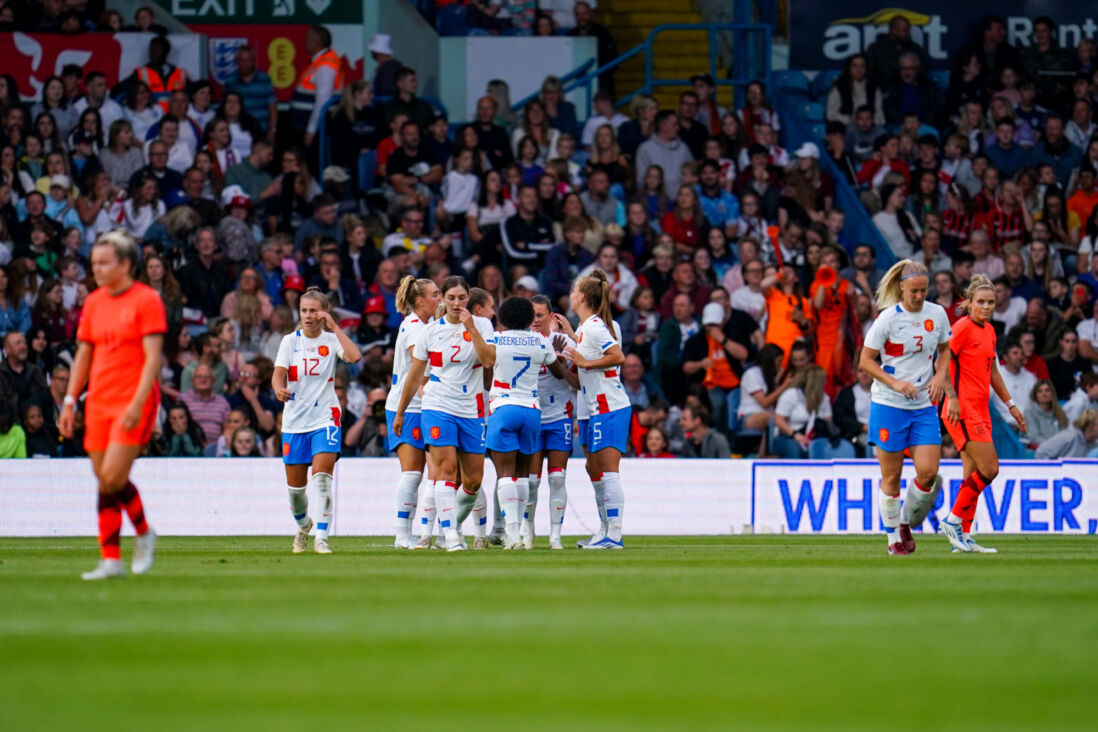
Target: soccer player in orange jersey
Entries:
(973, 370)
(120, 338)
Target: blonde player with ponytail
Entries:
(911, 338)
(417, 301)
(974, 371)
(311, 425)
(598, 357)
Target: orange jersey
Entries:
(115, 326)
(781, 329)
(829, 317)
(973, 353)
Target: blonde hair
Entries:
(978, 282)
(1057, 411)
(410, 290)
(346, 105)
(888, 290)
(124, 245)
(811, 381)
(1085, 419)
(595, 289)
(316, 294)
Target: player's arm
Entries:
(558, 369)
(486, 352)
(351, 352)
(1003, 393)
(78, 377)
(939, 384)
(869, 364)
(411, 384)
(279, 384)
(153, 345)
(611, 357)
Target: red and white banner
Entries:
(31, 58)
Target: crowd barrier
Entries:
(236, 497)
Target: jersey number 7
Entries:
(522, 371)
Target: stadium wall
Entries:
(227, 497)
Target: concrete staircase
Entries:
(677, 54)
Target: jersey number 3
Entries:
(919, 344)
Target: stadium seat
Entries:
(791, 82)
(367, 168)
(452, 21)
(940, 79)
(812, 111)
(821, 83)
(819, 130)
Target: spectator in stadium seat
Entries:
(1020, 285)
(492, 138)
(885, 159)
(684, 281)
(251, 172)
(966, 84)
(208, 408)
(674, 332)
(95, 97)
(851, 411)
(635, 131)
(863, 271)
(385, 285)
(884, 53)
(607, 49)
(985, 261)
(702, 441)
(528, 235)
(236, 419)
(910, 92)
(1046, 61)
(1008, 308)
(1031, 361)
(208, 347)
(256, 89)
(852, 90)
(993, 51)
(692, 132)
(204, 279)
(341, 289)
(1081, 129)
(666, 150)
(1078, 440)
(1044, 416)
(633, 381)
(802, 416)
(597, 201)
(1004, 154)
(1085, 198)
(900, 231)
(20, 380)
(720, 207)
(407, 103)
(1018, 380)
(381, 50)
(323, 222)
(836, 149)
(167, 180)
(1056, 150)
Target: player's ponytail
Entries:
(315, 293)
(978, 282)
(595, 288)
(410, 290)
(888, 290)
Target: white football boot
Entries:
(320, 546)
(974, 547)
(144, 552)
(106, 569)
(955, 536)
(301, 539)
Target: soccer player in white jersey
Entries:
(597, 358)
(417, 300)
(311, 428)
(911, 337)
(482, 305)
(514, 425)
(558, 402)
(453, 407)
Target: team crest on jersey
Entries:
(436, 433)
(467, 336)
(883, 435)
(323, 350)
(929, 325)
(417, 433)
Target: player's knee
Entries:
(112, 480)
(991, 470)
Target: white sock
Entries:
(480, 514)
(615, 504)
(511, 507)
(407, 491)
(600, 501)
(915, 498)
(446, 501)
(322, 482)
(465, 501)
(299, 506)
(889, 507)
(427, 504)
(497, 510)
(531, 509)
(558, 500)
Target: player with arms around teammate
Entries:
(557, 398)
(453, 406)
(907, 335)
(973, 371)
(311, 421)
(517, 356)
(119, 342)
(597, 357)
(417, 300)
(482, 305)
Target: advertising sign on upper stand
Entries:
(293, 12)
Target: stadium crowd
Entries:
(742, 304)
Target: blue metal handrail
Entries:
(748, 69)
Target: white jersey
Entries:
(908, 343)
(455, 385)
(410, 329)
(601, 388)
(310, 365)
(558, 398)
(520, 357)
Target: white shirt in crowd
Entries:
(751, 383)
(794, 407)
(109, 111)
(752, 303)
(494, 215)
(908, 343)
(889, 226)
(623, 283)
(459, 191)
(1016, 308)
(310, 364)
(140, 220)
(595, 122)
(1019, 385)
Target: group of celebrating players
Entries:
(461, 388)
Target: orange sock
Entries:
(964, 507)
(130, 500)
(110, 525)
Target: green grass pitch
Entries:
(765, 632)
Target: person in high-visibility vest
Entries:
(161, 77)
(318, 82)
